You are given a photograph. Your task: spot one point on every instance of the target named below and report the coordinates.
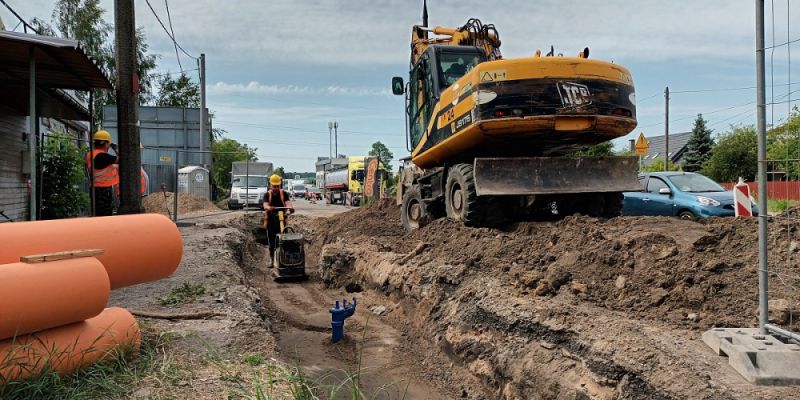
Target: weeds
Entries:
(185, 293)
(779, 206)
(113, 378)
(253, 359)
(280, 381)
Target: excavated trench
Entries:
(373, 351)
(579, 308)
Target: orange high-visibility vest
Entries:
(142, 183)
(105, 177)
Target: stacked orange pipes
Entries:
(52, 313)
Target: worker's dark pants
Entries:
(103, 201)
(273, 228)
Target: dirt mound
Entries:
(187, 202)
(378, 222)
(694, 274)
(615, 306)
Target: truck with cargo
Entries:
(249, 184)
(346, 185)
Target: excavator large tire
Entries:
(460, 198)
(413, 212)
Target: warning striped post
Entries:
(741, 199)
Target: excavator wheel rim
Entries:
(457, 196)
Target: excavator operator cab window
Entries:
(455, 65)
(420, 100)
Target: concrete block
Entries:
(760, 359)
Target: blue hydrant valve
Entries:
(338, 315)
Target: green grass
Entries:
(185, 293)
(115, 378)
(279, 381)
(779, 206)
(253, 359)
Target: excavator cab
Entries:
(439, 67)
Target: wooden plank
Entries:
(61, 255)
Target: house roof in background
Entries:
(677, 146)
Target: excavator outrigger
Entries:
(491, 138)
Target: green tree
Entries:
(698, 149)
(657, 165)
(177, 92)
(62, 168)
(84, 21)
(225, 152)
(384, 155)
(280, 172)
(598, 150)
(734, 156)
(784, 144)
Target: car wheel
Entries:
(685, 214)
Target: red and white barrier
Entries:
(741, 199)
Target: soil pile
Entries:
(653, 267)
(575, 308)
(187, 202)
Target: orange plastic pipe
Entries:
(41, 296)
(138, 248)
(67, 348)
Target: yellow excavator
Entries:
(491, 138)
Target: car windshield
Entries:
(251, 181)
(694, 183)
(299, 188)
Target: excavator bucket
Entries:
(555, 175)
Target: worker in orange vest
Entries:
(275, 200)
(144, 180)
(103, 167)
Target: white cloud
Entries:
(257, 88)
(367, 33)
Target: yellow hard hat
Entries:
(274, 180)
(102, 135)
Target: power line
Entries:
(21, 20)
(649, 97)
(712, 90)
(167, 30)
(169, 19)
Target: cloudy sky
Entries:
(279, 71)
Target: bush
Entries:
(63, 170)
(735, 155)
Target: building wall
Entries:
(13, 184)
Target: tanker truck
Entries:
(346, 185)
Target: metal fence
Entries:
(783, 198)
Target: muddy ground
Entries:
(578, 308)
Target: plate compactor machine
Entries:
(289, 260)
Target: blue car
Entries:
(683, 194)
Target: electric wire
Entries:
(167, 30)
(169, 19)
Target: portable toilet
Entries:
(194, 179)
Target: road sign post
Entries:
(642, 146)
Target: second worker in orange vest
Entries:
(104, 168)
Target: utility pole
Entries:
(205, 139)
(666, 128)
(336, 138)
(763, 278)
(330, 142)
(203, 117)
(130, 157)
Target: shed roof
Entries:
(60, 63)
